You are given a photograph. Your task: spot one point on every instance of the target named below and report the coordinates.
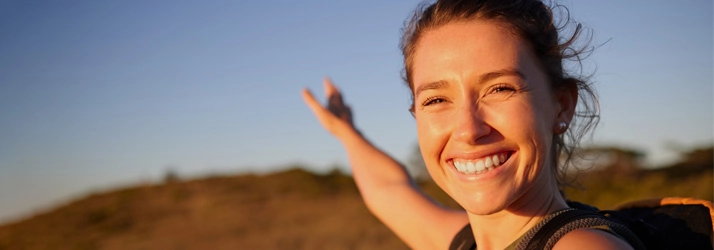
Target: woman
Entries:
(492, 104)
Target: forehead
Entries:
(469, 47)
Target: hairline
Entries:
(500, 24)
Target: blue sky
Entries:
(100, 94)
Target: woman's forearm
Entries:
(372, 169)
(393, 197)
(385, 186)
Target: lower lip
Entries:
(482, 176)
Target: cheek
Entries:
(531, 116)
(515, 120)
(535, 134)
(519, 122)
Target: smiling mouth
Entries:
(478, 166)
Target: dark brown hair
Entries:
(534, 22)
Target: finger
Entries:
(334, 97)
(312, 102)
(330, 88)
(332, 93)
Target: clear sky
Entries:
(100, 94)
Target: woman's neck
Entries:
(497, 231)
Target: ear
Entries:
(567, 99)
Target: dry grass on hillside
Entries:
(289, 210)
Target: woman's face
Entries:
(485, 116)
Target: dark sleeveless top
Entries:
(464, 239)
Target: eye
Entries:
(432, 100)
(502, 88)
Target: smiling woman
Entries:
(493, 106)
(481, 112)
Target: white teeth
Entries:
(495, 160)
(481, 165)
(459, 167)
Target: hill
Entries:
(293, 209)
(624, 180)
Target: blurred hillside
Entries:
(620, 177)
(296, 209)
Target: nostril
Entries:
(471, 131)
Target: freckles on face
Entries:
(483, 109)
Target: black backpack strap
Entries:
(545, 236)
(464, 239)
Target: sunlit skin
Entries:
(479, 91)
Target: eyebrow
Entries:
(431, 85)
(504, 72)
(484, 78)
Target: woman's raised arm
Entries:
(386, 188)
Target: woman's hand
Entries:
(336, 117)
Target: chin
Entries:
(479, 202)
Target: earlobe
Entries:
(560, 128)
(567, 98)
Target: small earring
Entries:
(562, 126)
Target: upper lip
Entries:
(474, 155)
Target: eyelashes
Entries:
(502, 88)
(432, 100)
(497, 91)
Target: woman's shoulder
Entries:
(590, 238)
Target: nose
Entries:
(470, 124)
